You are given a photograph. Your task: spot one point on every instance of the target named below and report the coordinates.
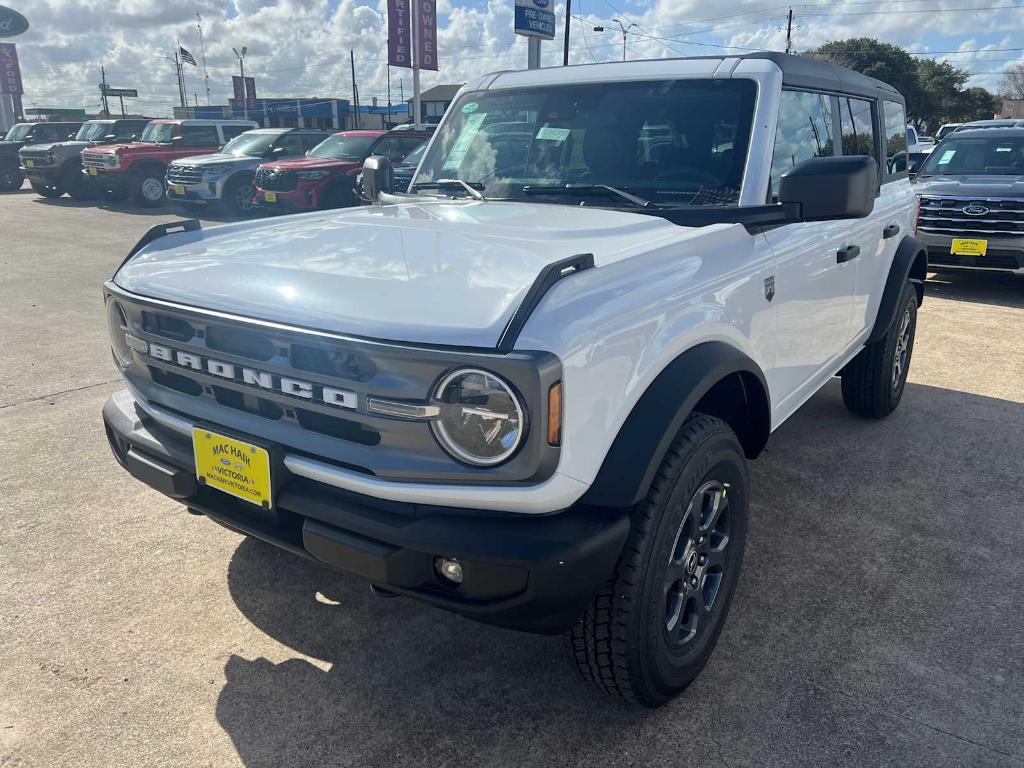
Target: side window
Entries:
(230, 131)
(124, 130)
(895, 138)
(292, 145)
(310, 140)
(804, 131)
(857, 127)
(408, 145)
(199, 136)
(390, 147)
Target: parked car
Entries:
(22, 134)
(225, 177)
(946, 129)
(915, 160)
(528, 392)
(916, 142)
(424, 127)
(971, 191)
(53, 169)
(403, 171)
(326, 177)
(999, 123)
(137, 170)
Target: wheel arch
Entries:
(714, 378)
(909, 263)
(147, 166)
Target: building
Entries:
(1011, 109)
(434, 102)
(278, 113)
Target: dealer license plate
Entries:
(178, 189)
(30, 163)
(92, 171)
(232, 466)
(962, 246)
(270, 197)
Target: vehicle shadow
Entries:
(391, 682)
(996, 288)
(64, 202)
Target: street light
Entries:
(625, 32)
(241, 67)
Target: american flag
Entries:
(187, 57)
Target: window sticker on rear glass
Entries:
(553, 134)
(469, 132)
(947, 156)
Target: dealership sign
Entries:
(12, 23)
(10, 72)
(535, 18)
(400, 33)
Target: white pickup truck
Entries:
(526, 389)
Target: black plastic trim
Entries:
(909, 249)
(548, 276)
(155, 233)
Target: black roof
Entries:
(802, 72)
(991, 130)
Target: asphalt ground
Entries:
(878, 619)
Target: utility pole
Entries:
(103, 90)
(389, 95)
(177, 69)
(202, 53)
(122, 104)
(414, 10)
(789, 32)
(568, 20)
(241, 68)
(355, 92)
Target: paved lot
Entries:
(878, 621)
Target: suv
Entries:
(971, 189)
(326, 178)
(22, 134)
(137, 170)
(53, 169)
(527, 392)
(226, 176)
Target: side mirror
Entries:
(829, 188)
(28, 140)
(71, 137)
(277, 150)
(177, 139)
(110, 138)
(135, 137)
(378, 176)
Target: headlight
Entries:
(49, 158)
(481, 421)
(117, 326)
(311, 175)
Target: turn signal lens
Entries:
(555, 414)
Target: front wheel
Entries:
(147, 187)
(11, 178)
(46, 190)
(238, 194)
(651, 629)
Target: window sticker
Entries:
(470, 108)
(1004, 149)
(469, 132)
(947, 156)
(553, 134)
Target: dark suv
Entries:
(22, 134)
(971, 201)
(54, 169)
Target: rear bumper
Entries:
(529, 572)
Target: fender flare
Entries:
(909, 263)
(643, 440)
(143, 166)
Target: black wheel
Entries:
(77, 184)
(338, 196)
(113, 195)
(46, 190)
(11, 178)
(873, 382)
(651, 629)
(238, 196)
(147, 186)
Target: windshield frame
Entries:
(89, 127)
(20, 136)
(157, 129)
(933, 167)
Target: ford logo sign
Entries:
(12, 23)
(975, 210)
(542, 3)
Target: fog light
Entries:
(449, 569)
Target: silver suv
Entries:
(226, 176)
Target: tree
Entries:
(884, 61)
(975, 104)
(941, 85)
(1012, 85)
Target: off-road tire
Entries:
(46, 190)
(144, 184)
(622, 643)
(11, 178)
(872, 384)
(77, 185)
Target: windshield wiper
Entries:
(586, 189)
(472, 188)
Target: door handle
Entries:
(849, 253)
(891, 231)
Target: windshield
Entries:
(18, 132)
(945, 130)
(991, 156)
(681, 142)
(93, 131)
(342, 147)
(159, 133)
(414, 157)
(250, 144)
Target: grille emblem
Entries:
(975, 210)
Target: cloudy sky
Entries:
(300, 48)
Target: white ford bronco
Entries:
(526, 389)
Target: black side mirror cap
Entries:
(378, 176)
(828, 188)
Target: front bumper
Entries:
(206, 191)
(1004, 254)
(45, 174)
(529, 572)
(112, 180)
(303, 198)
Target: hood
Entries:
(57, 145)
(971, 185)
(133, 146)
(10, 147)
(309, 163)
(217, 158)
(444, 272)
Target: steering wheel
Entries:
(687, 173)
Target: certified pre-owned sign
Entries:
(11, 22)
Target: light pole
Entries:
(625, 31)
(241, 68)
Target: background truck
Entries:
(23, 134)
(137, 170)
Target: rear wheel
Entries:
(147, 186)
(46, 190)
(651, 629)
(11, 178)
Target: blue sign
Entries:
(534, 18)
(11, 22)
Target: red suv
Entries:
(326, 176)
(137, 169)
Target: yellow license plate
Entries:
(270, 197)
(179, 189)
(30, 163)
(232, 466)
(962, 246)
(92, 171)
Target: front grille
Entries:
(97, 159)
(989, 216)
(179, 173)
(37, 156)
(276, 181)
